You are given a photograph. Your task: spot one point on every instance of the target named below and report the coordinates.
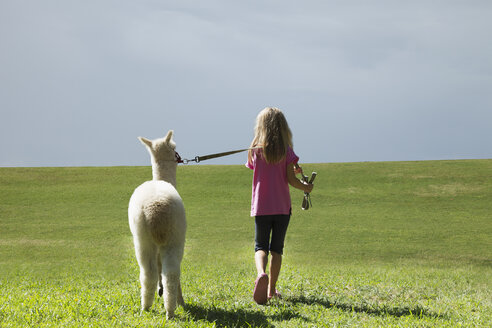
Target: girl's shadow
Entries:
(254, 318)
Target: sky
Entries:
(356, 80)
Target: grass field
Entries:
(390, 244)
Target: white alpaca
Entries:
(158, 224)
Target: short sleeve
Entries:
(251, 165)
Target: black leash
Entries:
(199, 159)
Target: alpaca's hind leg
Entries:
(170, 293)
(171, 262)
(149, 274)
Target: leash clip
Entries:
(185, 161)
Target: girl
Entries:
(273, 161)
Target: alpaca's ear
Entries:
(169, 136)
(145, 141)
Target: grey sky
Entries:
(357, 80)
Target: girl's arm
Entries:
(295, 182)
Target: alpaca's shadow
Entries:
(236, 317)
(417, 311)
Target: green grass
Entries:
(391, 244)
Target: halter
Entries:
(178, 158)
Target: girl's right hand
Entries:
(308, 187)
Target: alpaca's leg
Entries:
(171, 279)
(171, 262)
(149, 273)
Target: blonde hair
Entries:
(273, 134)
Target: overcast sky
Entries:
(357, 80)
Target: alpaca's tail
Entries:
(158, 218)
(162, 220)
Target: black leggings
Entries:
(277, 225)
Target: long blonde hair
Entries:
(273, 134)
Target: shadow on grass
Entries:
(237, 317)
(416, 311)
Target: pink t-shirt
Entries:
(270, 186)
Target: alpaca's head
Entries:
(163, 157)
